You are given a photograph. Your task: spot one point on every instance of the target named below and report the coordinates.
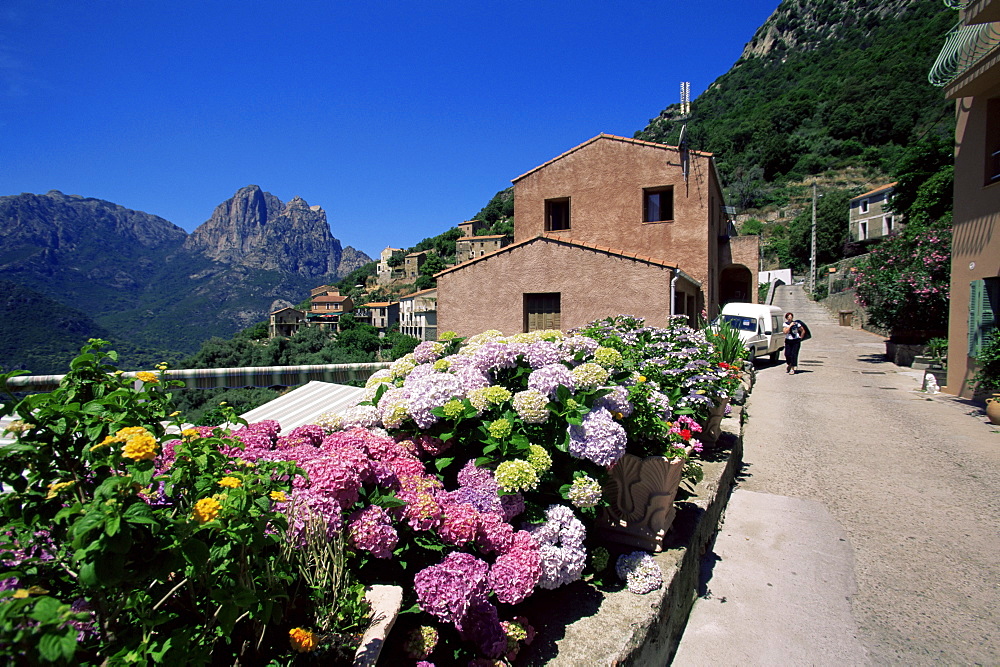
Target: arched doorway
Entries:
(736, 284)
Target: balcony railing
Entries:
(965, 45)
(957, 4)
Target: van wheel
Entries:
(774, 356)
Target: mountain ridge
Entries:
(148, 282)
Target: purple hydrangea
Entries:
(562, 553)
(547, 378)
(425, 393)
(481, 625)
(639, 571)
(599, 438)
(494, 355)
(543, 353)
(616, 401)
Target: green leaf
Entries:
(195, 552)
(112, 524)
(50, 647)
(443, 462)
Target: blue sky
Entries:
(401, 119)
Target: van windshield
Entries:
(739, 322)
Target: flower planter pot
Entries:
(712, 427)
(641, 493)
(993, 409)
(385, 602)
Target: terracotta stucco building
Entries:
(969, 71)
(614, 225)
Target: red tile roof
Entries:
(878, 189)
(612, 137)
(562, 240)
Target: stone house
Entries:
(969, 71)
(327, 308)
(285, 322)
(383, 272)
(470, 247)
(418, 314)
(870, 216)
(380, 314)
(412, 264)
(614, 225)
(472, 227)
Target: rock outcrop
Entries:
(254, 229)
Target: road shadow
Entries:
(873, 359)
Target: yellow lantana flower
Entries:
(278, 496)
(147, 377)
(302, 640)
(206, 509)
(230, 482)
(140, 446)
(54, 489)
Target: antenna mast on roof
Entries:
(682, 140)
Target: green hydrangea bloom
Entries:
(453, 408)
(501, 429)
(539, 458)
(590, 376)
(442, 365)
(516, 475)
(608, 357)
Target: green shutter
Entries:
(984, 301)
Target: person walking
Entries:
(793, 341)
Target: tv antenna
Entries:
(682, 140)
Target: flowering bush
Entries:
(121, 543)
(904, 283)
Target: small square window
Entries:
(556, 214)
(864, 205)
(658, 204)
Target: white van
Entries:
(760, 327)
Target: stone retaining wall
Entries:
(582, 624)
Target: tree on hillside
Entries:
(832, 213)
(924, 177)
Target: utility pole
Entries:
(812, 251)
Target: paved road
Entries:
(866, 529)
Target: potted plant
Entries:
(987, 376)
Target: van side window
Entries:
(760, 325)
(775, 324)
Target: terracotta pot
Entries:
(712, 428)
(641, 493)
(993, 409)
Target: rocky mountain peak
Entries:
(256, 230)
(806, 24)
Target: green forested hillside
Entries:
(41, 335)
(844, 85)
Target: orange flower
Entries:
(206, 509)
(301, 640)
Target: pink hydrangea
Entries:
(515, 574)
(371, 530)
(447, 590)
(494, 535)
(459, 523)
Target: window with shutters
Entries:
(984, 309)
(541, 311)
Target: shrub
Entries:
(124, 544)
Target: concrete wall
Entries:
(489, 294)
(604, 180)
(976, 240)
